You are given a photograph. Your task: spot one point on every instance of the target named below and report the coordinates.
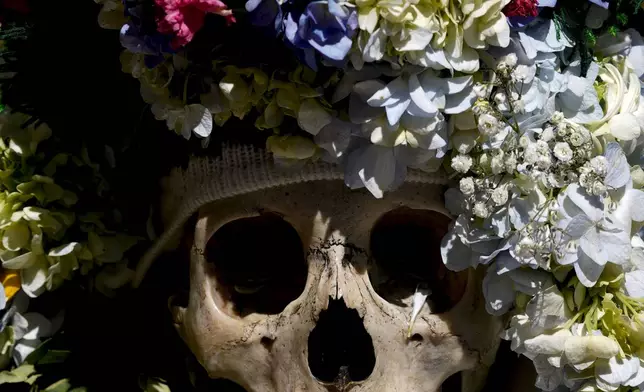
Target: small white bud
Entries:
(557, 117)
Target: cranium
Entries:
(333, 272)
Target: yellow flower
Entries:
(11, 282)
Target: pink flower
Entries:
(185, 17)
(525, 8)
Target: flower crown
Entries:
(533, 107)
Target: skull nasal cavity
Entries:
(340, 349)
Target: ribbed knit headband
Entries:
(238, 170)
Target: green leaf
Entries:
(59, 386)
(20, 374)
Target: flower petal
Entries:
(586, 269)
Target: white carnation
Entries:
(562, 151)
(466, 185)
(462, 163)
(480, 210)
(500, 196)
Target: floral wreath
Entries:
(534, 108)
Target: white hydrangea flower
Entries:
(462, 163)
(562, 151)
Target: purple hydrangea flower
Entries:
(140, 35)
(323, 27)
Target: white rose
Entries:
(599, 165)
(548, 134)
(562, 151)
(462, 163)
(480, 210)
(466, 185)
(489, 125)
(500, 196)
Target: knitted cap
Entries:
(238, 170)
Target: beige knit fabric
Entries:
(237, 171)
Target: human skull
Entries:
(309, 287)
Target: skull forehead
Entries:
(319, 209)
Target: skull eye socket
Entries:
(258, 264)
(405, 248)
